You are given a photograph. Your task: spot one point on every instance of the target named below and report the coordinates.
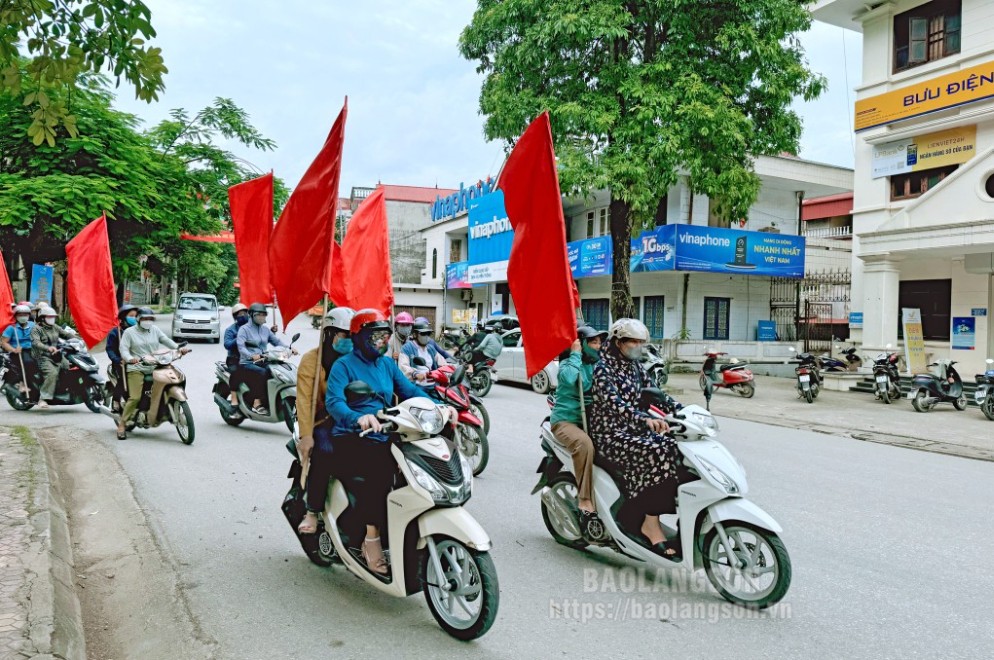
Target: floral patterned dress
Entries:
(618, 429)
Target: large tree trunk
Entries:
(622, 305)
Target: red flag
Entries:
(251, 205)
(538, 272)
(366, 249)
(300, 251)
(6, 295)
(338, 288)
(92, 294)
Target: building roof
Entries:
(831, 206)
(417, 194)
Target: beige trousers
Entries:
(581, 447)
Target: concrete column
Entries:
(881, 285)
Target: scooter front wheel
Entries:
(809, 395)
(183, 418)
(758, 572)
(885, 394)
(465, 597)
(988, 407)
(481, 383)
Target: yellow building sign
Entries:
(914, 339)
(924, 152)
(966, 86)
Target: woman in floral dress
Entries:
(632, 440)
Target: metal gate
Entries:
(815, 309)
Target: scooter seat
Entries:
(730, 367)
(609, 466)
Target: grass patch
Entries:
(23, 434)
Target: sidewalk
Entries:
(851, 414)
(39, 612)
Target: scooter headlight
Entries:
(429, 483)
(707, 421)
(719, 477)
(431, 420)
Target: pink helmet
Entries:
(403, 319)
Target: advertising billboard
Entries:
(490, 239)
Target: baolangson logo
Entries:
(492, 228)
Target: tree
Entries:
(642, 92)
(66, 38)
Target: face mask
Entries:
(50, 320)
(241, 319)
(146, 325)
(23, 320)
(342, 346)
(404, 331)
(423, 340)
(633, 353)
(590, 355)
(131, 321)
(259, 319)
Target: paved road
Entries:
(890, 550)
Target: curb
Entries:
(54, 613)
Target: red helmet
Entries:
(404, 318)
(365, 317)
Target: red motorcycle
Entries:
(733, 376)
(446, 384)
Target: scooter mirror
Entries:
(295, 337)
(651, 396)
(358, 391)
(458, 375)
(419, 362)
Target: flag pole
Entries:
(306, 466)
(20, 356)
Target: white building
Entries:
(923, 216)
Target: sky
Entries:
(413, 100)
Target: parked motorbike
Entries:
(984, 396)
(281, 389)
(733, 540)
(886, 378)
(943, 385)
(431, 542)
(849, 361)
(79, 382)
(655, 366)
(808, 376)
(733, 376)
(446, 384)
(163, 399)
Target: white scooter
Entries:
(732, 539)
(435, 545)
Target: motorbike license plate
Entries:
(881, 379)
(804, 378)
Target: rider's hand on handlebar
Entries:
(657, 425)
(370, 423)
(52, 350)
(293, 351)
(420, 375)
(184, 350)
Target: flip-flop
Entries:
(669, 550)
(302, 530)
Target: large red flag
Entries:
(300, 251)
(6, 295)
(251, 205)
(338, 289)
(538, 272)
(92, 294)
(366, 249)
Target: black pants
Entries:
(653, 501)
(367, 468)
(322, 460)
(14, 375)
(256, 377)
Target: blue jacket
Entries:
(411, 350)
(231, 340)
(113, 346)
(382, 375)
(260, 334)
(18, 336)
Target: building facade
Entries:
(923, 207)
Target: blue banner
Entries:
(964, 333)
(457, 275)
(590, 257)
(733, 251)
(654, 250)
(766, 331)
(490, 239)
(41, 283)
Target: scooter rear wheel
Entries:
(468, 608)
(94, 397)
(920, 403)
(17, 402)
(563, 522)
(229, 420)
(475, 446)
(809, 395)
(480, 411)
(885, 394)
(746, 390)
(960, 403)
(481, 383)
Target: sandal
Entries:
(379, 566)
(309, 525)
(669, 549)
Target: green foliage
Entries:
(642, 92)
(66, 38)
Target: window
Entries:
(927, 33)
(590, 224)
(916, 184)
(455, 250)
(637, 306)
(596, 313)
(434, 263)
(602, 214)
(661, 210)
(510, 340)
(652, 315)
(197, 304)
(716, 317)
(934, 299)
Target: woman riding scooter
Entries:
(368, 457)
(569, 416)
(127, 316)
(44, 349)
(312, 415)
(633, 440)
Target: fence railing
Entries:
(829, 232)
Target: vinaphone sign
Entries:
(444, 208)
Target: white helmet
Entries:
(238, 308)
(629, 329)
(340, 318)
(22, 309)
